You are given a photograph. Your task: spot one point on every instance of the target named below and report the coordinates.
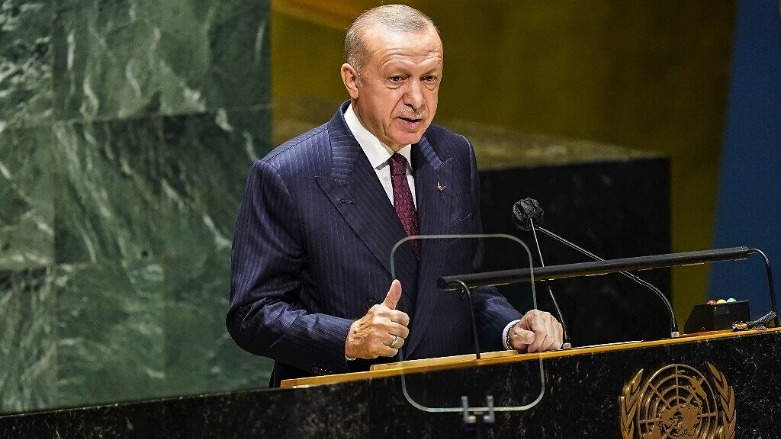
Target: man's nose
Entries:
(414, 95)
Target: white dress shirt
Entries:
(378, 154)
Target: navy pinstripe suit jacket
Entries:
(311, 252)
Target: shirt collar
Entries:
(377, 152)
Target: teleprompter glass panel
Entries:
(449, 305)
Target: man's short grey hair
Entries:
(398, 18)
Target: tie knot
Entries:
(398, 164)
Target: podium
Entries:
(710, 385)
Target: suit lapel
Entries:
(353, 188)
(432, 177)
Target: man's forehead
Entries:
(380, 41)
(379, 35)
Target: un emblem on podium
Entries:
(678, 402)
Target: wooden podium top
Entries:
(499, 357)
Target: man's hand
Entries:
(537, 331)
(381, 332)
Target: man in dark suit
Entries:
(321, 214)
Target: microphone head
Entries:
(526, 213)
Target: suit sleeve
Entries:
(265, 315)
(492, 310)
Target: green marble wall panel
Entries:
(107, 191)
(127, 128)
(203, 167)
(146, 57)
(28, 368)
(203, 164)
(110, 335)
(136, 188)
(26, 198)
(25, 63)
(199, 354)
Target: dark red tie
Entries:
(402, 199)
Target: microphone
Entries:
(528, 211)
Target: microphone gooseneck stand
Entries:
(527, 210)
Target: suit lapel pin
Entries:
(440, 187)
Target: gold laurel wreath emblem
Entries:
(630, 399)
(628, 402)
(727, 401)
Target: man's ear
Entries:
(350, 80)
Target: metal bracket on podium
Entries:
(478, 419)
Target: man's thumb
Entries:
(394, 294)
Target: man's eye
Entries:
(431, 78)
(396, 79)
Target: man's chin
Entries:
(408, 138)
